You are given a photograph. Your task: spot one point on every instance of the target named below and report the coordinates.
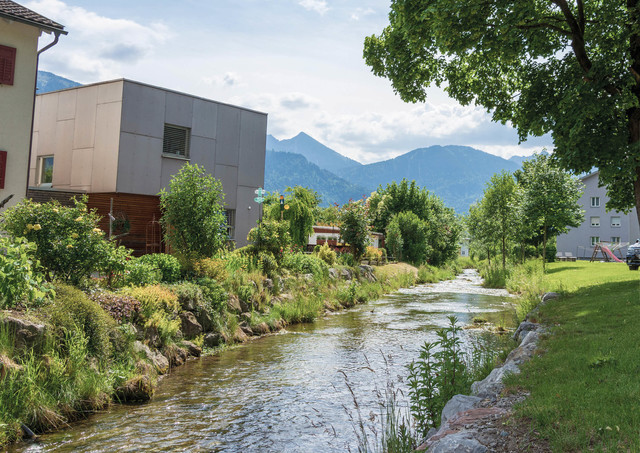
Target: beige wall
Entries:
(80, 127)
(16, 105)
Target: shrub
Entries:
(155, 298)
(69, 243)
(20, 278)
(214, 294)
(267, 264)
(347, 259)
(72, 309)
(211, 268)
(327, 255)
(373, 253)
(166, 326)
(190, 295)
(140, 273)
(301, 263)
(121, 307)
(271, 236)
(168, 265)
(354, 229)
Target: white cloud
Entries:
(319, 6)
(359, 13)
(228, 79)
(507, 151)
(98, 47)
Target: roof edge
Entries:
(49, 28)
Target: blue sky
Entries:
(298, 60)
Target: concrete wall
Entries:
(578, 240)
(228, 141)
(80, 127)
(16, 106)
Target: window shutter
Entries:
(176, 140)
(3, 167)
(7, 64)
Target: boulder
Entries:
(233, 304)
(159, 362)
(204, 319)
(192, 349)
(245, 317)
(261, 329)
(279, 324)
(346, 274)
(267, 284)
(461, 442)
(8, 366)
(175, 354)
(138, 388)
(239, 336)
(212, 340)
(333, 273)
(457, 404)
(524, 328)
(549, 296)
(367, 273)
(492, 385)
(248, 331)
(191, 328)
(27, 334)
(152, 336)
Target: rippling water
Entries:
(286, 392)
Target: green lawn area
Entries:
(585, 384)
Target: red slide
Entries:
(610, 253)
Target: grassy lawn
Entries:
(585, 386)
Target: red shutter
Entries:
(7, 64)
(3, 167)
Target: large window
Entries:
(595, 221)
(45, 171)
(595, 202)
(176, 141)
(594, 240)
(230, 214)
(615, 221)
(615, 239)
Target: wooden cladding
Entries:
(3, 168)
(7, 64)
(132, 213)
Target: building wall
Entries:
(80, 128)
(16, 106)
(578, 240)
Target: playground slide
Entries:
(610, 253)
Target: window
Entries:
(45, 171)
(3, 167)
(615, 239)
(615, 221)
(594, 240)
(595, 221)
(595, 202)
(230, 214)
(7, 64)
(176, 141)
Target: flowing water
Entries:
(287, 392)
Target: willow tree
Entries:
(302, 204)
(566, 67)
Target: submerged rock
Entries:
(192, 349)
(136, 389)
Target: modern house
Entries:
(121, 141)
(599, 226)
(20, 29)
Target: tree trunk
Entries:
(636, 190)
(504, 253)
(544, 250)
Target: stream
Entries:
(287, 392)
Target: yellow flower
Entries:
(74, 235)
(97, 230)
(69, 246)
(37, 227)
(55, 210)
(79, 219)
(24, 232)
(29, 226)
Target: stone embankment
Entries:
(472, 423)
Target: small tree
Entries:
(497, 206)
(394, 240)
(413, 231)
(549, 198)
(193, 216)
(302, 204)
(354, 227)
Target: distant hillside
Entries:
(520, 159)
(457, 174)
(284, 170)
(48, 81)
(315, 152)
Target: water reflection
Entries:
(285, 392)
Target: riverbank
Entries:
(580, 389)
(60, 384)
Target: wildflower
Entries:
(97, 230)
(37, 227)
(29, 226)
(25, 232)
(55, 210)
(79, 219)
(74, 235)
(69, 246)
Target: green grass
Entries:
(585, 386)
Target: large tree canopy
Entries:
(568, 67)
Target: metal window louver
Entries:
(176, 140)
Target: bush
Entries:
(155, 298)
(373, 253)
(121, 307)
(168, 265)
(301, 263)
(267, 264)
(166, 326)
(140, 273)
(69, 243)
(190, 295)
(327, 255)
(271, 236)
(211, 268)
(72, 309)
(214, 294)
(20, 279)
(347, 259)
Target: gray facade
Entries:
(599, 225)
(109, 137)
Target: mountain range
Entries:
(48, 81)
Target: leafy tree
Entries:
(271, 236)
(479, 231)
(394, 241)
(549, 198)
(354, 227)
(302, 204)
(497, 205)
(193, 216)
(569, 68)
(443, 232)
(395, 198)
(413, 232)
